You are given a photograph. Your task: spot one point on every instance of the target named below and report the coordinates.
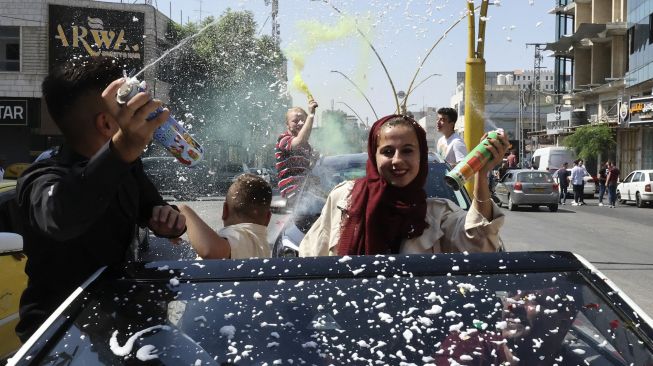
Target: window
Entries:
(638, 177)
(9, 49)
(650, 28)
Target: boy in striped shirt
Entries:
(293, 152)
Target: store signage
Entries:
(13, 112)
(77, 31)
(640, 110)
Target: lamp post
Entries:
(353, 111)
(359, 90)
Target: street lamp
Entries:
(359, 90)
(353, 111)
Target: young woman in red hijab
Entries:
(387, 212)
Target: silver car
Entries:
(528, 187)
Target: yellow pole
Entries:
(475, 84)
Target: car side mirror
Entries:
(10, 242)
(279, 206)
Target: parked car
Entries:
(636, 187)
(527, 187)
(326, 174)
(530, 308)
(188, 183)
(13, 279)
(262, 172)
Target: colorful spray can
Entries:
(171, 134)
(473, 162)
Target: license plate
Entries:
(538, 190)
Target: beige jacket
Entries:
(451, 229)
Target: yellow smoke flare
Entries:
(314, 34)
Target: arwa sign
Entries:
(76, 31)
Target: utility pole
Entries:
(276, 32)
(537, 66)
(200, 11)
(475, 80)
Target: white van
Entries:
(551, 158)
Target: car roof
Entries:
(253, 273)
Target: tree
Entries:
(590, 141)
(226, 83)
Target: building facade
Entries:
(591, 61)
(509, 97)
(635, 132)
(36, 34)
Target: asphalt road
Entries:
(617, 240)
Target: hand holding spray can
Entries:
(472, 163)
(171, 134)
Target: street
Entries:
(614, 239)
(620, 235)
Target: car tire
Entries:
(511, 205)
(619, 198)
(553, 208)
(638, 200)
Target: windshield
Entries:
(535, 177)
(520, 319)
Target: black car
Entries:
(326, 174)
(531, 308)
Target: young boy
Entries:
(293, 151)
(79, 210)
(245, 214)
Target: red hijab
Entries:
(380, 216)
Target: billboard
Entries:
(77, 31)
(640, 111)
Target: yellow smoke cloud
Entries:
(313, 35)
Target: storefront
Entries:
(17, 117)
(635, 135)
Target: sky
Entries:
(402, 32)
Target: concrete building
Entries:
(506, 92)
(35, 34)
(635, 132)
(590, 64)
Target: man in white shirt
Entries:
(245, 214)
(451, 146)
(578, 173)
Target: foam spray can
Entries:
(171, 134)
(472, 163)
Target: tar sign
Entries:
(13, 112)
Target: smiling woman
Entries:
(387, 211)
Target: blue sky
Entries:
(403, 31)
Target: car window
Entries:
(507, 177)
(629, 177)
(638, 177)
(650, 177)
(535, 177)
(406, 319)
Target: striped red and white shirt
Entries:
(292, 164)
